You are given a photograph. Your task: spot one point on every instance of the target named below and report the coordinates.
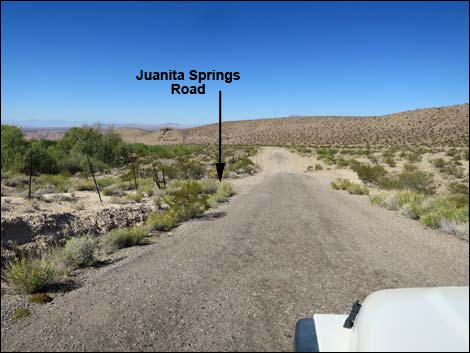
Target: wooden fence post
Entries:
(94, 179)
(30, 172)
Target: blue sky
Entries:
(76, 62)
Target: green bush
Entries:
(415, 180)
(459, 188)
(147, 187)
(224, 191)
(135, 196)
(454, 170)
(390, 161)
(61, 183)
(341, 184)
(124, 237)
(209, 186)
(412, 157)
(357, 189)
(188, 201)
(163, 221)
(20, 313)
(446, 213)
(242, 165)
(385, 200)
(28, 275)
(327, 155)
(367, 173)
(80, 252)
(15, 149)
(439, 163)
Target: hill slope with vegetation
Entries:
(445, 126)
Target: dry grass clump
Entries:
(39, 298)
(124, 237)
(28, 275)
(20, 313)
(448, 213)
(352, 188)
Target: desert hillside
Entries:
(435, 126)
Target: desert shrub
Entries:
(385, 200)
(174, 186)
(367, 173)
(147, 187)
(318, 166)
(209, 186)
(242, 165)
(373, 159)
(187, 202)
(28, 275)
(391, 161)
(439, 163)
(412, 157)
(446, 213)
(135, 196)
(5, 204)
(80, 252)
(39, 298)
(60, 182)
(85, 185)
(454, 170)
(113, 190)
(124, 237)
(47, 189)
(185, 168)
(413, 180)
(164, 151)
(407, 197)
(20, 313)
(342, 162)
(163, 221)
(224, 191)
(327, 155)
(454, 228)
(15, 181)
(357, 189)
(459, 188)
(341, 184)
(105, 181)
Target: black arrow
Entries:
(220, 166)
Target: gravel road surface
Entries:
(285, 246)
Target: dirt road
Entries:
(284, 247)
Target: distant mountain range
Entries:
(34, 130)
